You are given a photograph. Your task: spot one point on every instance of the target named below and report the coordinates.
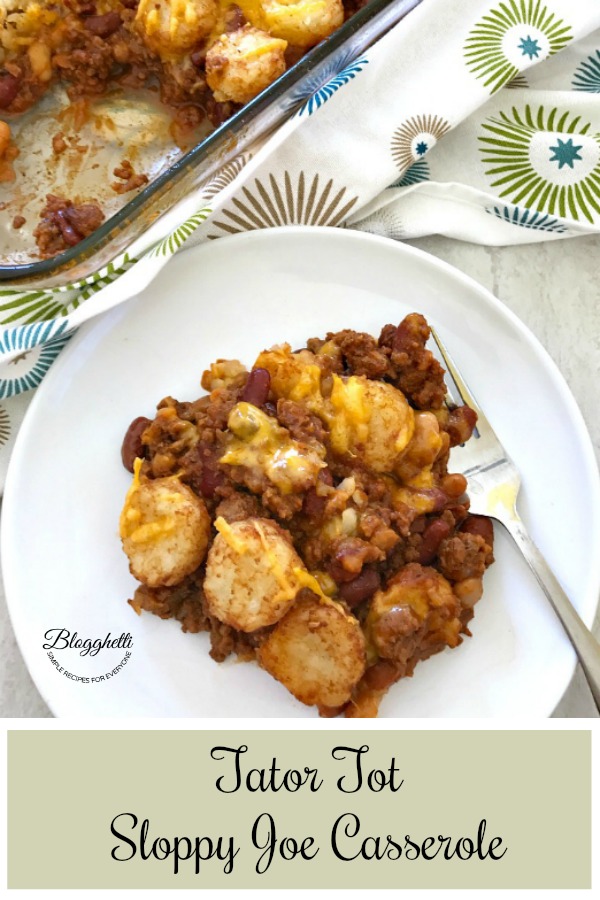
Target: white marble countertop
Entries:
(554, 289)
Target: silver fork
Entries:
(493, 485)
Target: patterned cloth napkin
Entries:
(478, 120)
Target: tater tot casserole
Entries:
(303, 514)
(204, 59)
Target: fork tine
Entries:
(465, 394)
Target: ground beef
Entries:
(129, 180)
(361, 353)
(64, 224)
(184, 602)
(225, 641)
(187, 605)
(417, 373)
(239, 506)
(302, 426)
(282, 506)
(463, 556)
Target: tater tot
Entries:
(303, 23)
(371, 420)
(317, 652)
(251, 574)
(165, 530)
(173, 27)
(294, 376)
(423, 448)
(240, 64)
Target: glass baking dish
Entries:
(124, 126)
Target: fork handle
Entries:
(585, 644)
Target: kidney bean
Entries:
(198, 58)
(361, 588)
(325, 476)
(403, 338)
(132, 447)
(103, 26)
(433, 536)
(480, 525)
(257, 387)
(9, 88)
(70, 235)
(438, 498)
(234, 19)
(210, 479)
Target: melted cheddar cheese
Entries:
(258, 441)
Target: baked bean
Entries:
(480, 525)
(433, 536)
(132, 447)
(454, 485)
(257, 387)
(103, 26)
(361, 588)
(9, 88)
(40, 60)
(468, 591)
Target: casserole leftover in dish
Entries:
(201, 60)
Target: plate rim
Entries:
(108, 320)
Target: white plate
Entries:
(63, 564)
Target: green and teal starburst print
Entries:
(512, 36)
(30, 306)
(296, 200)
(414, 138)
(587, 75)
(175, 241)
(517, 83)
(5, 429)
(548, 161)
(26, 370)
(324, 91)
(417, 173)
(526, 218)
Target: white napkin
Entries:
(478, 120)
